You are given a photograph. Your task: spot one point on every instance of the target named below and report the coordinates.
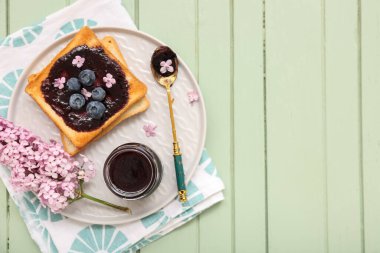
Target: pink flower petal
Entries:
(86, 93)
(163, 70)
(170, 69)
(150, 129)
(193, 96)
(78, 61)
(109, 80)
(59, 82)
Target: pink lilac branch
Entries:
(44, 168)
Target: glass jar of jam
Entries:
(132, 171)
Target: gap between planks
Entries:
(360, 105)
(232, 124)
(324, 104)
(265, 129)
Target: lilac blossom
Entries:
(86, 93)
(109, 80)
(42, 167)
(193, 96)
(59, 82)
(166, 66)
(150, 129)
(78, 61)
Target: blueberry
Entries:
(98, 94)
(73, 84)
(86, 77)
(77, 101)
(95, 109)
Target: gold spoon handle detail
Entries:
(180, 175)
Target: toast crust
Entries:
(110, 43)
(85, 36)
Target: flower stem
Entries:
(76, 199)
(125, 209)
(80, 186)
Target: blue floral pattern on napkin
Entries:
(7, 83)
(24, 37)
(99, 238)
(75, 25)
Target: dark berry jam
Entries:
(132, 171)
(163, 53)
(98, 61)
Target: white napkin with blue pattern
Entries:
(53, 232)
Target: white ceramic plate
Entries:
(137, 49)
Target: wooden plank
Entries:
(19, 237)
(20, 13)
(3, 18)
(3, 218)
(181, 36)
(179, 241)
(295, 127)
(215, 57)
(183, 41)
(370, 77)
(132, 8)
(3, 191)
(20, 16)
(250, 211)
(343, 147)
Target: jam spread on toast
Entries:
(66, 98)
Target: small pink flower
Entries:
(78, 61)
(85, 93)
(150, 130)
(89, 172)
(193, 96)
(59, 82)
(109, 80)
(166, 66)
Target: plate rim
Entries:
(51, 46)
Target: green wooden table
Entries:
(292, 90)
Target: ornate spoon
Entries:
(164, 66)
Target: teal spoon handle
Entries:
(180, 174)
